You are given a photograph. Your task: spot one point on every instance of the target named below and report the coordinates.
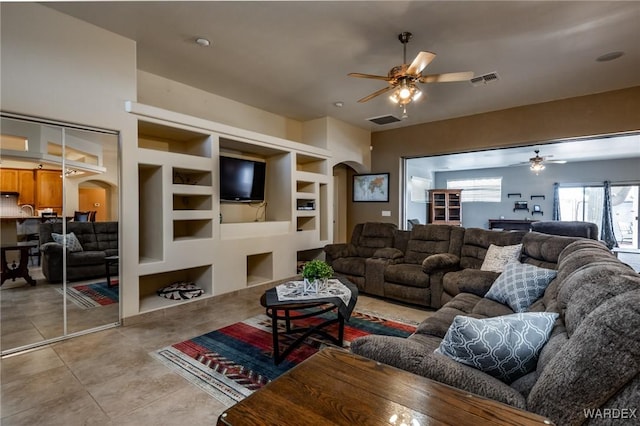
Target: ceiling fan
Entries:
(402, 79)
(537, 163)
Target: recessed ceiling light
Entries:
(609, 56)
(338, 104)
(202, 42)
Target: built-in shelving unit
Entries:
(186, 233)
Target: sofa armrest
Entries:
(440, 261)
(335, 251)
(51, 249)
(390, 253)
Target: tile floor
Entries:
(109, 378)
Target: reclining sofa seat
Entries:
(469, 278)
(592, 359)
(350, 259)
(415, 274)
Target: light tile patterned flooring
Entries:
(109, 378)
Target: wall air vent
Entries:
(384, 119)
(484, 79)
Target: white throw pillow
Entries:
(497, 257)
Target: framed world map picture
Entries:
(371, 187)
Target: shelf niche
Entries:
(150, 227)
(306, 163)
(183, 176)
(192, 229)
(259, 268)
(201, 276)
(191, 202)
(172, 139)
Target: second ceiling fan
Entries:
(403, 79)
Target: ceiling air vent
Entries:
(484, 79)
(384, 119)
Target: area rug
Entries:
(233, 362)
(88, 296)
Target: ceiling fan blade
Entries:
(420, 62)
(376, 77)
(374, 94)
(447, 77)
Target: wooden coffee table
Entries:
(339, 388)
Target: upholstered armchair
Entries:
(349, 259)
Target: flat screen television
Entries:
(241, 180)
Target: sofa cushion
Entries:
(472, 281)
(426, 240)
(497, 257)
(406, 273)
(477, 242)
(520, 285)
(590, 286)
(73, 244)
(597, 363)
(375, 235)
(85, 258)
(505, 347)
(349, 265)
(544, 250)
(416, 355)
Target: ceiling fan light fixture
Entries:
(405, 93)
(536, 163)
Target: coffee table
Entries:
(315, 306)
(335, 387)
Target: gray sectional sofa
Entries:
(590, 365)
(97, 240)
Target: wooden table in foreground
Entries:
(339, 388)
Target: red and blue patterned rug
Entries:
(88, 296)
(234, 361)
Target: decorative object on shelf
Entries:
(180, 291)
(316, 273)
(521, 205)
(537, 209)
(538, 196)
(513, 194)
(372, 187)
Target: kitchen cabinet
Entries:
(26, 187)
(8, 180)
(49, 190)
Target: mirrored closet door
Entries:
(59, 188)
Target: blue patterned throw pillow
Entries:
(506, 347)
(73, 244)
(520, 284)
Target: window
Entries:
(479, 189)
(582, 203)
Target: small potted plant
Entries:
(316, 273)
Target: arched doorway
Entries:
(96, 195)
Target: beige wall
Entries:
(602, 113)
